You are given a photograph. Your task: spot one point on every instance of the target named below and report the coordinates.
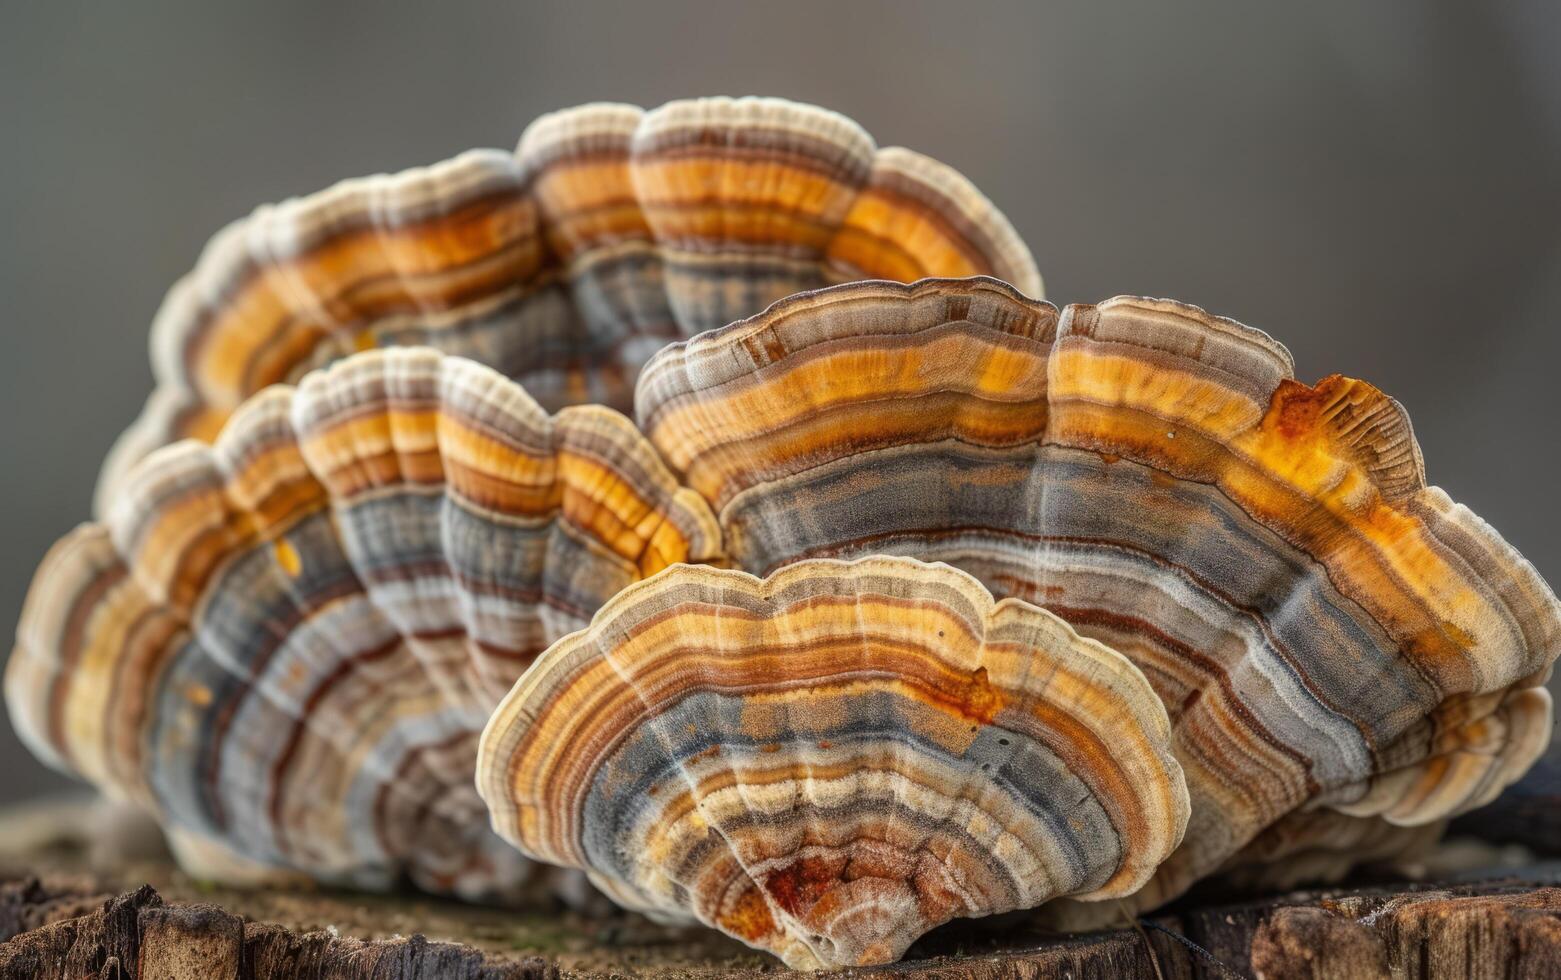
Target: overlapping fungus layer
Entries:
(831, 761)
(287, 643)
(1324, 628)
(564, 264)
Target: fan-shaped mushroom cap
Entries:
(1323, 627)
(288, 642)
(831, 761)
(564, 265)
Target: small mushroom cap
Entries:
(1324, 628)
(831, 761)
(286, 644)
(564, 264)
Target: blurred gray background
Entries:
(1377, 184)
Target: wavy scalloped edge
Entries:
(522, 751)
(246, 500)
(260, 244)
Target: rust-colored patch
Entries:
(825, 743)
(765, 347)
(704, 754)
(1296, 410)
(798, 886)
(1161, 479)
(770, 749)
(1458, 634)
(981, 701)
(749, 919)
(1109, 458)
(1436, 650)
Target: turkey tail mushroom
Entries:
(565, 264)
(1324, 628)
(831, 761)
(287, 643)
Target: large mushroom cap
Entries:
(1324, 628)
(287, 643)
(565, 264)
(828, 762)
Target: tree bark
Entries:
(61, 917)
(62, 929)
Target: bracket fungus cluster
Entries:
(894, 603)
(1324, 629)
(288, 642)
(828, 762)
(565, 264)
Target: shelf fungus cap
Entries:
(285, 645)
(1325, 629)
(831, 761)
(609, 231)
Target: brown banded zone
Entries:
(288, 642)
(565, 264)
(1324, 628)
(828, 762)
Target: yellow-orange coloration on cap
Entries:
(566, 263)
(1325, 629)
(828, 762)
(285, 645)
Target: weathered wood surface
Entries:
(66, 916)
(135, 936)
(60, 928)
(1504, 933)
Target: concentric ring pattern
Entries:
(828, 762)
(1324, 628)
(566, 263)
(287, 643)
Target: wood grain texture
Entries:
(135, 936)
(1489, 930)
(1507, 934)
